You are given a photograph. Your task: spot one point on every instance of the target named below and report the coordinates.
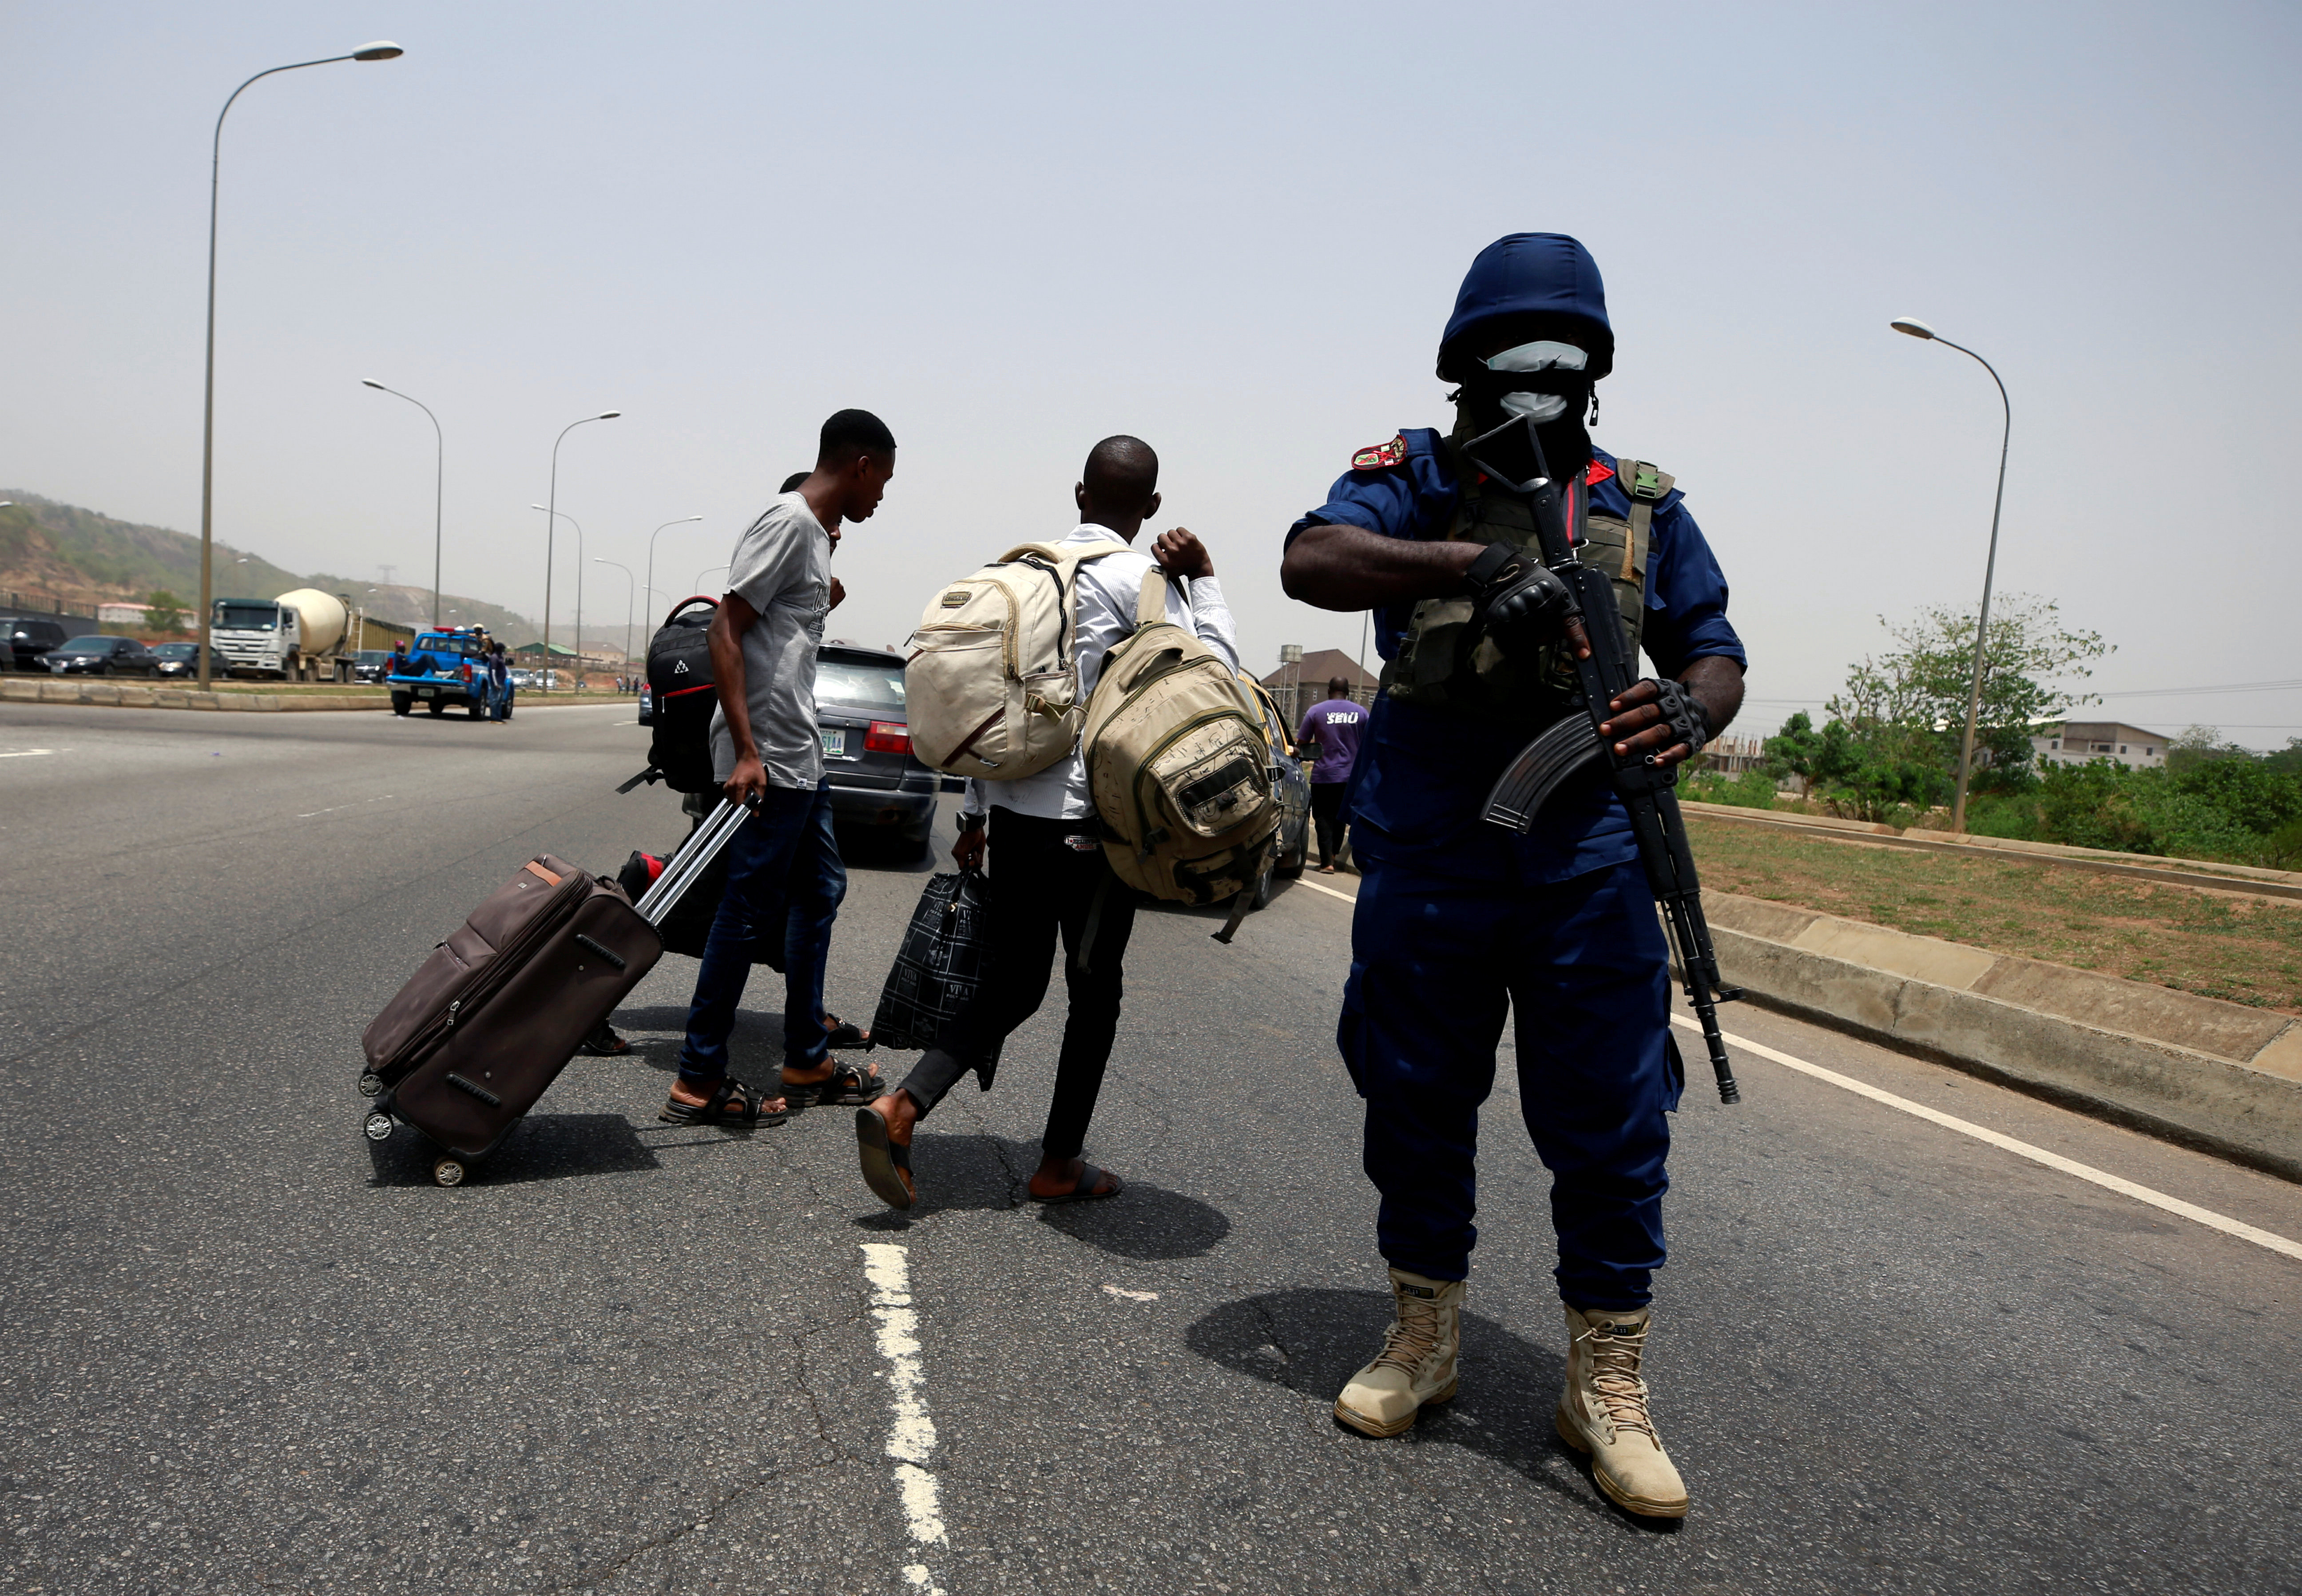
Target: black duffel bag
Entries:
(686, 925)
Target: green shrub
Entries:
(2001, 814)
(2184, 814)
(2282, 849)
(1753, 789)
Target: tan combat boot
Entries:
(1417, 1365)
(1603, 1412)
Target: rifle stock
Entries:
(1511, 457)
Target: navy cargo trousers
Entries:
(1583, 968)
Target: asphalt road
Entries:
(247, 1350)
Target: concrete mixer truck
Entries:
(299, 636)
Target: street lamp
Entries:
(630, 584)
(700, 574)
(438, 456)
(380, 50)
(652, 538)
(1917, 329)
(551, 526)
(557, 516)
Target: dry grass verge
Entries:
(2242, 949)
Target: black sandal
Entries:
(604, 1043)
(1085, 1191)
(887, 1164)
(732, 1103)
(846, 1034)
(844, 1087)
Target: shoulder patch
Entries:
(1597, 471)
(1381, 456)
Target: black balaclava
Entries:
(1544, 377)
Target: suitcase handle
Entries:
(693, 858)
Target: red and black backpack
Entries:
(679, 678)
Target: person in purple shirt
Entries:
(1332, 727)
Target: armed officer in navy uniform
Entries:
(1460, 920)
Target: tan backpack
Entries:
(1179, 766)
(990, 684)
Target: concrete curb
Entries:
(121, 696)
(2195, 1070)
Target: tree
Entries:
(2202, 744)
(1792, 750)
(1915, 695)
(163, 611)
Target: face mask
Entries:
(1543, 356)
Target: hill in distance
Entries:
(59, 556)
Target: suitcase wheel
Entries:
(370, 1083)
(449, 1171)
(378, 1126)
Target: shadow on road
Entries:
(545, 1146)
(756, 1042)
(991, 1172)
(1312, 1341)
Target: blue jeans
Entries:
(1583, 968)
(783, 874)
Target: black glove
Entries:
(1689, 721)
(1520, 603)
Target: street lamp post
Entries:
(439, 459)
(380, 50)
(652, 538)
(557, 516)
(706, 570)
(550, 525)
(631, 587)
(1917, 329)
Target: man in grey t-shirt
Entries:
(785, 876)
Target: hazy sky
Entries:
(1233, 229)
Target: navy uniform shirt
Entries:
(1423, 777)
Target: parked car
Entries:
(182, 659)
(867, 745)
(28, 639)
(1294, 849)
(371, 665)
(99, 656)
(442, 671)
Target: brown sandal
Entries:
(844, 1087)
(732, 1105)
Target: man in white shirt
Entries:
(785, 874)
(1048, 873)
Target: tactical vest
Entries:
(1446, 662)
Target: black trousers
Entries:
(1327, 815)
(1041, 885)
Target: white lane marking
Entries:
(2021, 1149)
(1348, 897)
(1132, 1296)
(911, 1439)
(26, 754)
(386, 798)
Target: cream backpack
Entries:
(990, 683)
(1179, 766)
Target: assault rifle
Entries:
(1511, 457)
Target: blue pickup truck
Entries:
(443, 669)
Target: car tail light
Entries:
(466, 670)
(888, 736)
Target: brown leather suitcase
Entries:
(486, 1025)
